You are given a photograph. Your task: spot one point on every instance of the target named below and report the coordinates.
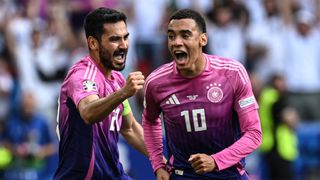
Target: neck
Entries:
(105, 71)
(196, 69)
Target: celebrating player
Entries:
(93, 106)
(207, 107)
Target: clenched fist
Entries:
(135, 82)
(202, 163)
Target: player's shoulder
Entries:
(224, 64)
(84, 62)
(229, 67)
(161, 72)
(83, 67)
(222, 61)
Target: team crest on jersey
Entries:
(89, 86)
(215, 93)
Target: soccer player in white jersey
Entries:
(207, 107)
(93, 109)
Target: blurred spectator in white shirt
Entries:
(302, 60)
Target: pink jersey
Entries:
(88, 151)
(201, 115)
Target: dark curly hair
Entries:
(94, 21)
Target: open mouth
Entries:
(119, 56)
(180, 55)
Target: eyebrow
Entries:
(116, 37)
(184, 31)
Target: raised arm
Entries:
(94, 109)
(285, 7)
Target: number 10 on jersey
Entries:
(196, 114)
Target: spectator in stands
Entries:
(225, 32)
(301, 41)
(27, 136)
(264, 42)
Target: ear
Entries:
(93, 43)
(203, 39)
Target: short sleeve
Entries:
(81, 85)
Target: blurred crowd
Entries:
(277, 41)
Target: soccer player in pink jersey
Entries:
(206, 105)
(93, 106)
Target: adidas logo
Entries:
(173, 100)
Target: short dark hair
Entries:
(190, 14)
(94, 21)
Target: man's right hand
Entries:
(134, 83)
